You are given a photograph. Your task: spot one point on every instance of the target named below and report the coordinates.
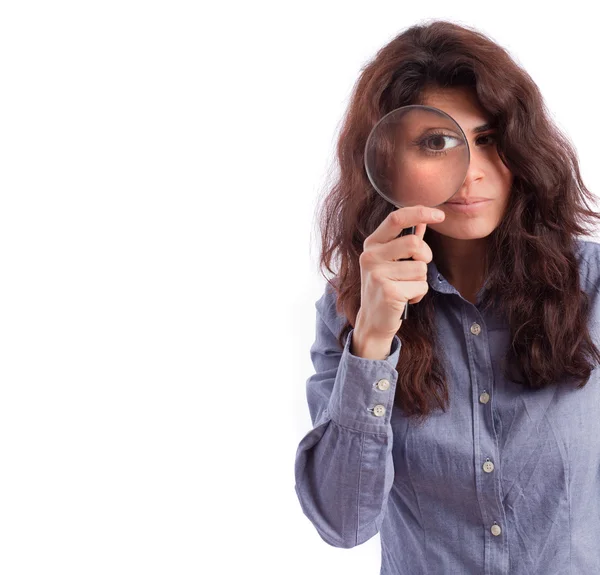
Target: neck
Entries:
(461, 262)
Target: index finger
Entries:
(402, 218)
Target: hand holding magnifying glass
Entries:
(387, 285)
(416, 156)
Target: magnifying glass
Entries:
(416, 155)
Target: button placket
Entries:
(488, 465)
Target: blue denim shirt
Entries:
(506, 481)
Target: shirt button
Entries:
(383, 384)
(496, 530)
(379, 410)
(488, 466)
(475, 329)
(484, 397)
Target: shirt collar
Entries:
(437, 282)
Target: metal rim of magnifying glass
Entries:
(374, 129)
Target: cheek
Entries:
(505, 176)
(419, 183)
(507, 184)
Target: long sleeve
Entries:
(344, 469)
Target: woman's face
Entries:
(487, 176)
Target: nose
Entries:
(474, 172)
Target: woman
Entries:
(469, 438)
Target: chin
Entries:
(469, 229)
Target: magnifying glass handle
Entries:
(405, 232)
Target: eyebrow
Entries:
(482, 128)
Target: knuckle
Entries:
(425, 252)
(377, 277)
(428, 255)
(365, 258)
(415, 242)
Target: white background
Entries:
(160, 167)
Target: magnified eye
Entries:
(438, 143)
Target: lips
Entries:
(468, 202)
(471, 208)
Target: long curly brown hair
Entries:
(532, 270)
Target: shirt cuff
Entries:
(363, 392)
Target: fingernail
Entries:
(437, 215)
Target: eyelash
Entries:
(442, 152)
